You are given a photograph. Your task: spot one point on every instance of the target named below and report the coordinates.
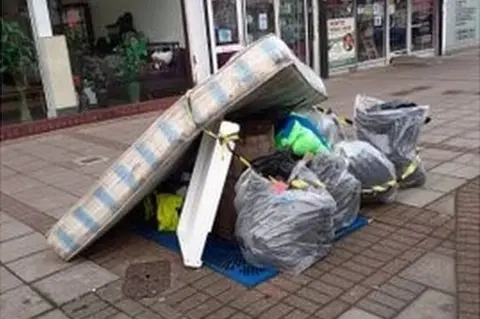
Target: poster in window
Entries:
(341, 42)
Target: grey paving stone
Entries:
(463, 142)
(444, 205)
(431, 304)
(18, 183)
(22, 246)
(356, 313)
(433, 270)
(58, 212)
(443, 183)
(457, 170)
(39, 265)
(55, 314)
(8, 280)
(75, 281)
(13, 229)
(429, 164)
(418, 197)
(45, 198)
(5, 218)
(22, 303)
(469, 159)
(438, 154)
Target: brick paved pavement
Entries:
(418, 259)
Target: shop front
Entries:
(233, 24)
(365, 33)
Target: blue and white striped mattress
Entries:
(265, 75)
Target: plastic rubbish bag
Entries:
(332, 170)
(299, 135)
(289, 229)
(372, 168)
(278, 165)
(394, 128)
(326, 123)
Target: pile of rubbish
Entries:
(290, 203)
(298, 180)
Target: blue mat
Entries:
(225, 257)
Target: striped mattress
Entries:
(266, 75)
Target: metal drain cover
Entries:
(146, 280)
(90, 160)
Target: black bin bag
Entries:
(394, 128)
(287, 229)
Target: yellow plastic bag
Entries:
(167, 211)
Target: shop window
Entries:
(123, 53)
(293, 27)
(260, 19)
(22, 95)
(225, 20)
(370, 29)
(422, 24)
(342, 39)
(398, 13)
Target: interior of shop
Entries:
(22, 96)
(124, 51)
(380, 28)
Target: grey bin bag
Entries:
(288, 230)
(332, 170)
(394, 128)
(369, 166)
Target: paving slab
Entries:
(74, 282)
(443, 183)
(22, 246)
(356, 313)
(39, 265)
(457, 170)
(433, 270)
(463, 142)
(45, 198)
(444, 205)
(18, 183)
(13, 229)
(430, 305)
(55, 314)
(438, 154)
(418, 197)
(22, 303)
(469, 159)
(8, 280)
(5, 218)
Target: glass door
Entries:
(422, 27)
(293, 27)
(370, 25)
(398, 24)
(227, 34)
(235, 23)
(260, 18)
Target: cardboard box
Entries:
(257, 139)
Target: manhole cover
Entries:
(146, 280)
(90, 160)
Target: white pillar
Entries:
(42, 27)
(197, 31)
